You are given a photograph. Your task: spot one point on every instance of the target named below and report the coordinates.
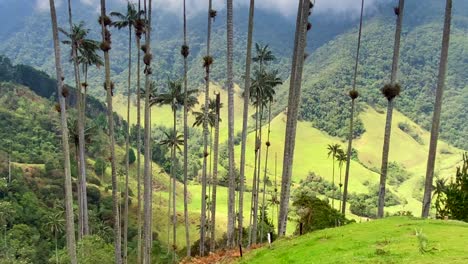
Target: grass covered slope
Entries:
(391, 240)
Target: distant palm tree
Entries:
(245, 117)
(437, 110)
(333, 150)
(341, 157)
(69, 219)
(353, 94)
(390, 91)
(54, 223)
(176, 97)
(129, 21)
(261, 92)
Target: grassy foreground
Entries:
(391, 240)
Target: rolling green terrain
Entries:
(391, 240)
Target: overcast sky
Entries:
(285, 7)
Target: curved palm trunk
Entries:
(437, 110)
(81, 161)
(186, 132)
(205, 138)
(215, 176)
(293, 108)
(148, 181)
(70, 225)
(127, 145)
(115, 198)
(230, 86)
(388, 121)
(265, 172)
(245, 117)
(351, 122)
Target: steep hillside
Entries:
(328, 72)
(391, 240)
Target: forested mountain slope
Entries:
(328, 72)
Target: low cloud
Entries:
(284, 7)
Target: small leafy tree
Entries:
(456, 193)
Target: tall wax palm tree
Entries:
(69, 218)
(127, 20)
(185, 51)
(426, 205)
(333, 150)
(105, 22)
(272, 81)
(148, 186)
(207, 62)
(341, 157)
(304, 11)
(173, 141)
(77, 37)
(245, 117)
(353, 94)
(258, 95)
(176, 97)
(390, 91)
(230, 88)
(215, 173)
(139, 27)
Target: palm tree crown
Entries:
(175, 96)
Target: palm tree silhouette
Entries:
(341, 157)
(55, 223)
(333, 150)
(176, 97)
(129, 21)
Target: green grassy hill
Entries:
(391, 240)
(408, 149)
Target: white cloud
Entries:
(284, 7)
(44, 5)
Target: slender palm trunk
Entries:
(174, 213)
(351, 122)
(265, 172)
(341, 185)
(293, 108)
(186, 134)
(333, 182)
(230, 87)
(110, 116)
(70, 225)
(81, 161)
(258, 168)
(245, 118)
(205, 138)
(388, 122)
(148, 181)
(127, 145)
(437, 110)
(252, 220)
(215, 175)
(56, 248)
(138, 143)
